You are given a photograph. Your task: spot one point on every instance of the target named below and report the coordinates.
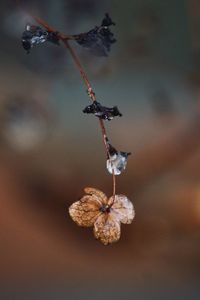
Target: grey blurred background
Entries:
(50, 151)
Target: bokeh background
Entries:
(50, 151)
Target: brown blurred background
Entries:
(50, 151)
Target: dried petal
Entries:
(117, 162)
(122, 209)
(107, 229)
(105, 113)
(100, 196)
(99, 39)
(35, 35)
(85, 211)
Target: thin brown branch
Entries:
(93, 98)
(61, 35)
(90, 91)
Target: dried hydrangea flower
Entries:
(117, 161)
(103, 112)
(99, 39)
(35, 35)
(95, 209)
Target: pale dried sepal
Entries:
(117, 162)
(122, 209)
(107, 229)
(99, 194)
(85, 211)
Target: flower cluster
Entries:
(103, 112)
(99, 39)
(35, 35)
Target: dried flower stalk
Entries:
(95, 208)
(64, 38)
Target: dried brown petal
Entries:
(122, 209)
(85, 211)
(99, 194)
(107, 229)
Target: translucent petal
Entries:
(122, 209)
(85, 211)
(107, 229)
(34, 35)
(116, 163)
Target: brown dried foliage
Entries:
(106, 215)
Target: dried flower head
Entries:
(117, 161)
(35, 35)
(103, 112)
(99, 39)
(106, 215)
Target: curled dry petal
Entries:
(99, 39)
(122, 209)
(35, 35)
(107, 229)
(85, 211)
(117, 161)
(102, 112)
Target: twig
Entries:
(91, 94)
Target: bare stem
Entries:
(105, 141)
(93, 98)
(91, 94)
(51, 29)
(80, 68)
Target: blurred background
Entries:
(50, 151)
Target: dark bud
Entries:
(107, 21)
(99, 39)
(102, 112)
(35, 35)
